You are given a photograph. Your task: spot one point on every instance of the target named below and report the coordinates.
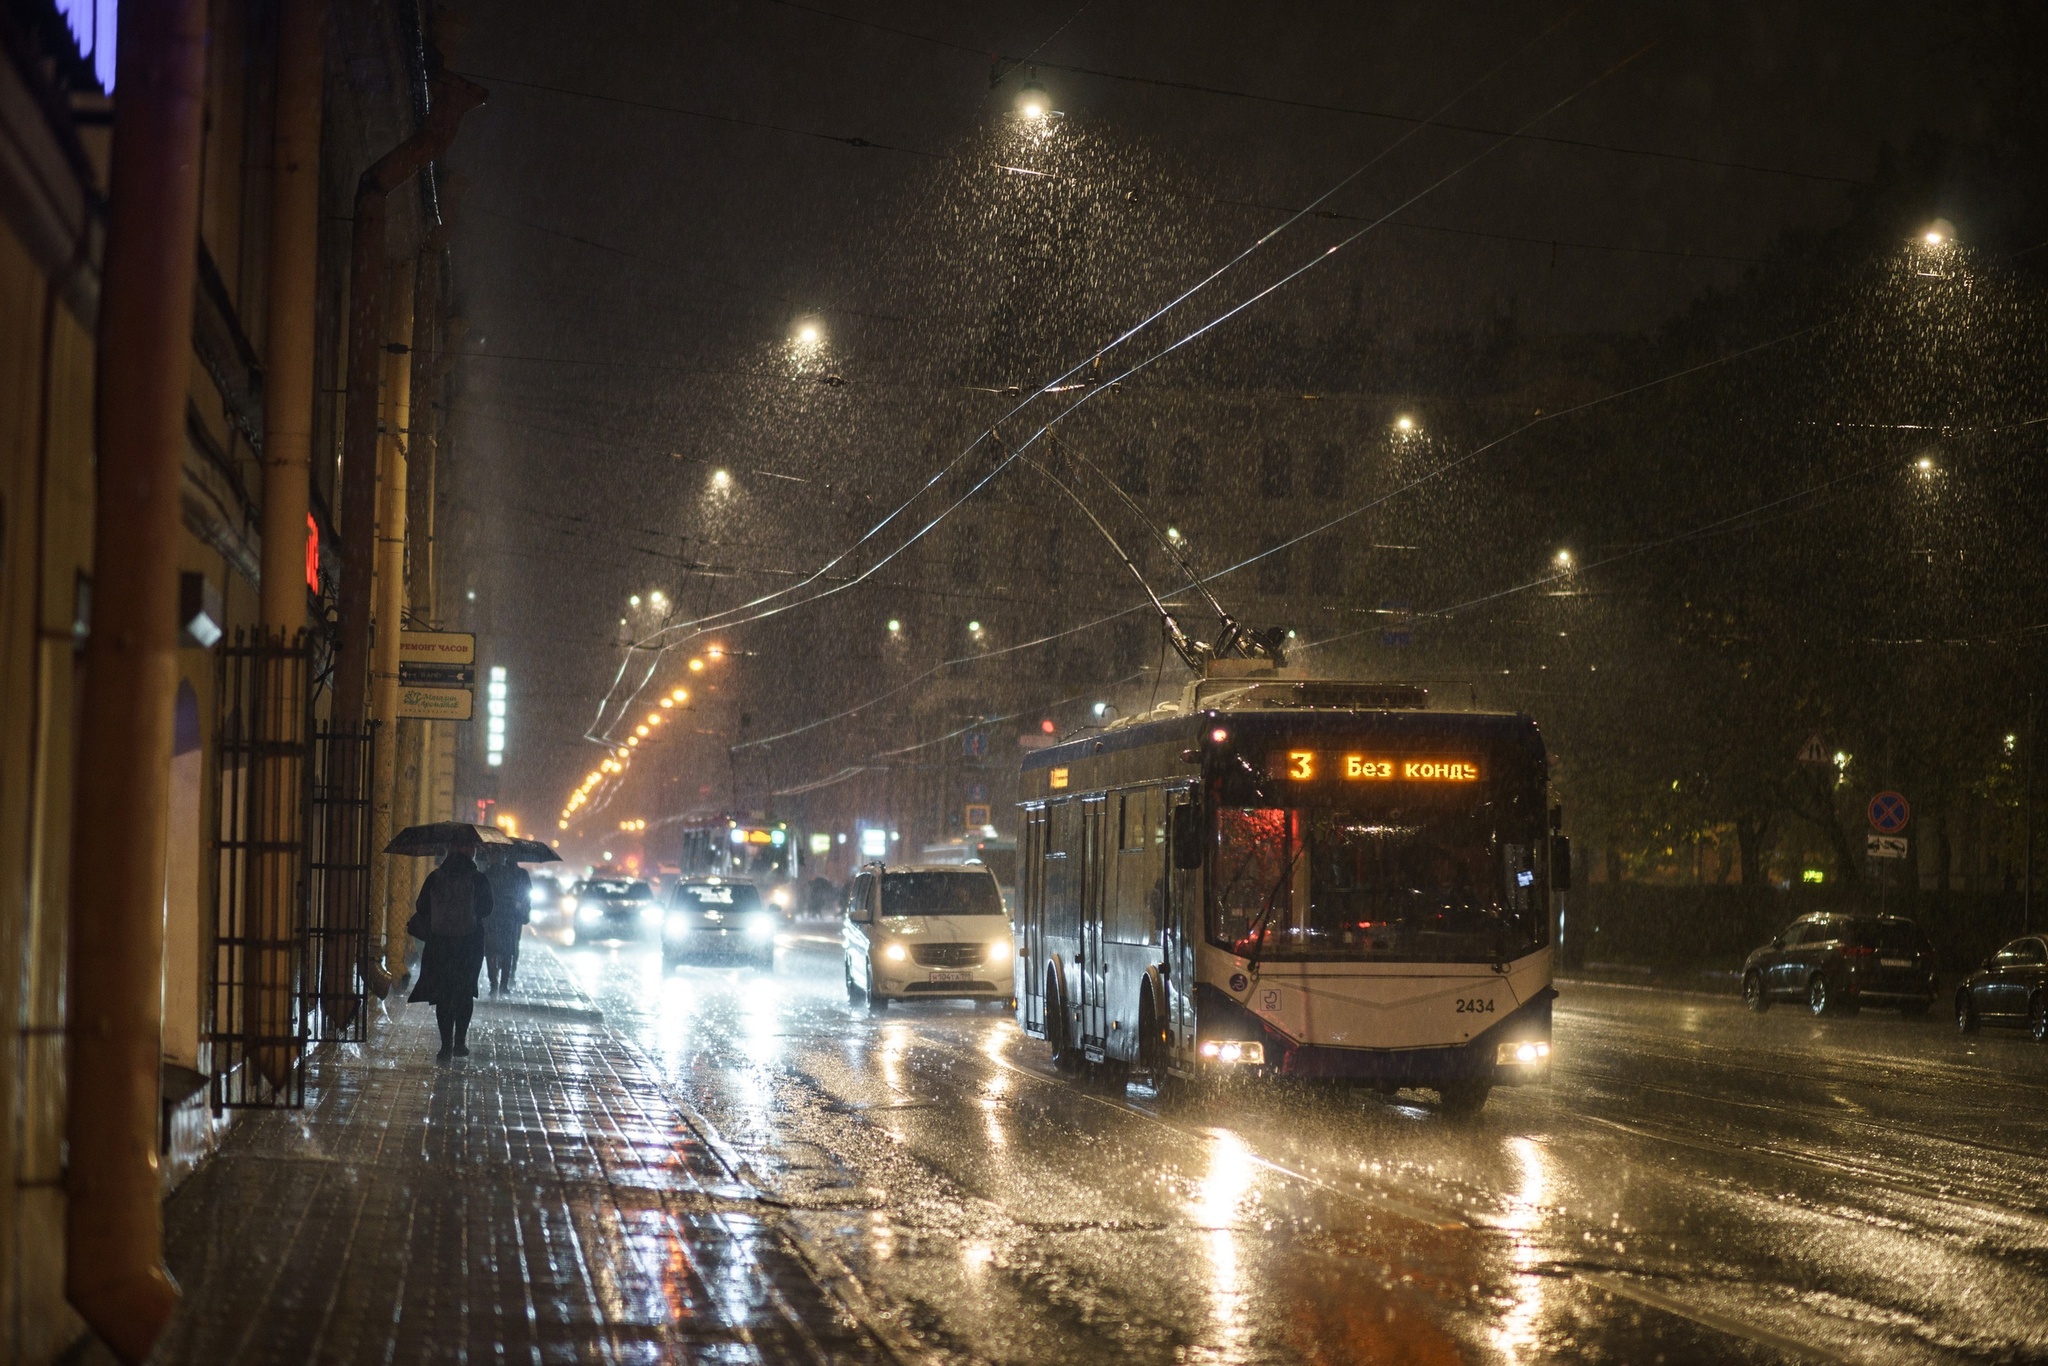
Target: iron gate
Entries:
(343, 760)
(257, 1026)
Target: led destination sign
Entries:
(1315, 765)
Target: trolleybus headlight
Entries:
(760, 925)
(780, 896)
(999, 951)
(1232, 1050)
(1527, 1052)
(895, 953)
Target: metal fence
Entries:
(257, 1026)
(343, 760)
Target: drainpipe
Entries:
(412, 772)
(390, 607)
(274, 881)
(451, 98)
(113, 1224)
(294, 274)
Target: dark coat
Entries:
(450, 964)
(511, 902)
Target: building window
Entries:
(1275, 568)
(1132, 471)
(1326, 478)
(1184, 467)
(1325, 566)
(1276, 470)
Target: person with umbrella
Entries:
(511, 908)
(454, 905)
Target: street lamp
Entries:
(1033, 102)
(721, 480)
(1564, 559)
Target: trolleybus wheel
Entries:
(1465, 1098)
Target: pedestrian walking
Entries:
(511, 908)
(453, 907)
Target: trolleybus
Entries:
(743, 848)
(1294, 876)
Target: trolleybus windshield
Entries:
(1423, 882)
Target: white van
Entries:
(927, 931)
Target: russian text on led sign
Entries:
(1314, 765)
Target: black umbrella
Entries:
(435, 839)
(533, 851)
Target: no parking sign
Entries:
(1889, 813)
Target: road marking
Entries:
(1707, 1318)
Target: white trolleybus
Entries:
(1310, 878)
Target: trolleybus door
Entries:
(1182, 924)
(1094, 905)
(1030, 930)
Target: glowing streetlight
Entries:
(894, 626)
(632, 740)
(1564, 559)
(633, 601)
(1033, 102)
(668, 702)
(680, 695)
(657, 599)
(1924, 464)
(721, 480)
(696, 666)
(715, 652)
(1173, 534)
(974, 628)
(1404, 425)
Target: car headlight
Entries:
(569, 904)
(676, 926)
(896, 953)
(760, 926)
(999, 951)
(1522, 1052)
(780, 896)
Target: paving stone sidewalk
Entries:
(541, 1201)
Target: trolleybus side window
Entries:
(1062, 870)
(1427, 882)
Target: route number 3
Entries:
(1477, 1005)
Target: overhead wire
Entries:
(1415, 483)
(726, 623)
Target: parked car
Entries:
(927, 931)
(608, 908)
(1837, 963)
(2011, 988)
(719, 916)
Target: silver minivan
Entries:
(925, 931)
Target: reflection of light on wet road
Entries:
(1215, 1207)
(1517, 1335)
(977, 1256)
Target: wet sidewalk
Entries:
(541, 1201)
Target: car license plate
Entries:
(951, 977)
(1896, 962)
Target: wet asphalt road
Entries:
(1694, 1184)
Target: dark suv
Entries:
(2010, 989)
(1837, 963)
